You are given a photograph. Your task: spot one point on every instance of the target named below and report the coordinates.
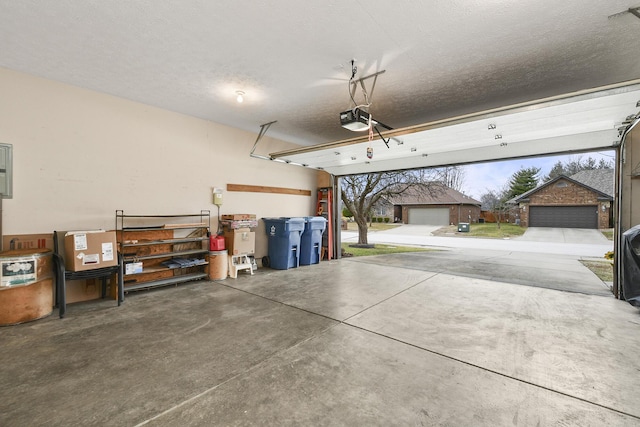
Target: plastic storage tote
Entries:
(311, 240)
(284, 242)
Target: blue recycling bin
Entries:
(311, 240)
(284, 242)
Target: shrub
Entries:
(387, 219)
(609, 255)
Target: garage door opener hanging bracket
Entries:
(263, 130)
(373, 124)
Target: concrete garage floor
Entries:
(345, 342)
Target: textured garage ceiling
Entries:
(292, 58)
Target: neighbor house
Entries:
(583, 200)
(433, 204)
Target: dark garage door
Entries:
(563, 216)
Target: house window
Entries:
(562, 184)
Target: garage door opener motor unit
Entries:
(355, 120)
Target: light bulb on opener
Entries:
(240, 97)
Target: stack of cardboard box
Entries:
(238, 237)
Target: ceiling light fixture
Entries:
(240, 96)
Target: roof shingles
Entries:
(434, 194)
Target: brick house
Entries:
(435, 204)
(583, 200)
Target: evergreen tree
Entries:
(575, 165)
(557, 170)
(522, 181)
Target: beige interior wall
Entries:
(79, 155)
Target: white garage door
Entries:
(429, 216)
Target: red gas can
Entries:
(216, 243)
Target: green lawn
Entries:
(608, 233)
(486, 230)
(376, 226)
(602, 269)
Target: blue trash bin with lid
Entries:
(284, 242)
(311, 239)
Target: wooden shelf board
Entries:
(264, 189)
(165, 241)
(163, 268)
(165, 255)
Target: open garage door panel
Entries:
(428, 216)
(577, 122)
(563, 216)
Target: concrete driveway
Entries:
(552, 271)
(564, 235)
(542, 257)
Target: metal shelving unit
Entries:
(324, 208)
(156, 239)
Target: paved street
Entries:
(573, 242)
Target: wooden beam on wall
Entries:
(263, 189)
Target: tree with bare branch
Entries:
(360, 193)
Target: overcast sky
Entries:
(481, 177)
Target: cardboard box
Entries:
(27, 241)
(234, 225)
(83, 290)
(133, 268)
(238, 217)
(88, 250)
(240, 242)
